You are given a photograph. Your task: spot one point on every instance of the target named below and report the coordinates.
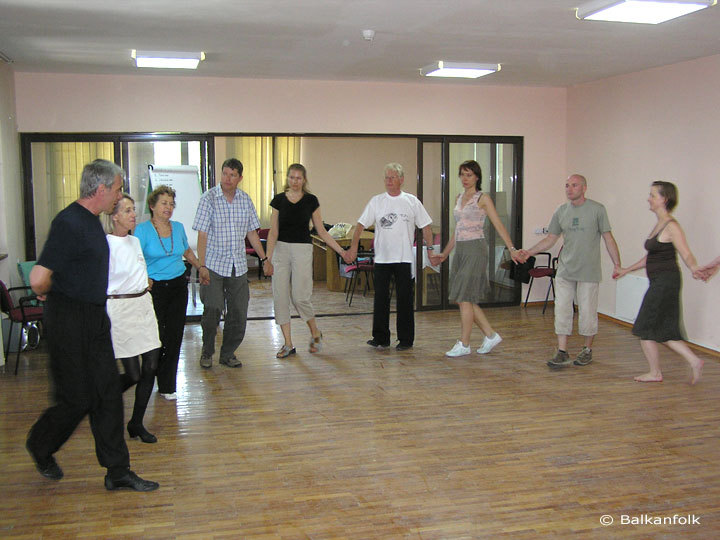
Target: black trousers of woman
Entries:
(170, 302)
(145, 379)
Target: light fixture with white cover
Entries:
(464, 70)
(639, 11)
(167, 59)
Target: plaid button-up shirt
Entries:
(226, 224)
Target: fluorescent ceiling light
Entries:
(458, 69)
(639, 11)
(167, 60)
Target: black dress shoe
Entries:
(403, 346)
(374, 343)
(48, 467)
(140, 431)
(130, 480)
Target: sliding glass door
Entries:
(501, 162)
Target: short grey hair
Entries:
(100, 171)
(395, 167)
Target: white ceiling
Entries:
(538, 42)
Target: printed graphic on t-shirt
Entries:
(388, 220)
(575, 223)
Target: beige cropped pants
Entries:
(587, 300)
(292, 281)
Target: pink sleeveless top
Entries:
(470, 219)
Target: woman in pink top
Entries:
(469, 279)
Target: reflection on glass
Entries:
(430, 279)
(56, 170)
(497, 164)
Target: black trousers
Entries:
(405, 287)
(86, 381)
(170, 299)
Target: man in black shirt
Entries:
(73, 273)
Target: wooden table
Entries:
(325, 264)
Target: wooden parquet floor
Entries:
(362, 444)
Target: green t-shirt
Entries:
(581, 227)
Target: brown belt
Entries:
(131, 295)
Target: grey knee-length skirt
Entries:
(468, 272)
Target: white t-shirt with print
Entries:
(395, 220)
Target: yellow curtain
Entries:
(65, 162)
(264, 167)
(287, 152)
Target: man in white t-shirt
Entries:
(395, 214)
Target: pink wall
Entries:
(12, 240)
(660, 124)
(48, 102)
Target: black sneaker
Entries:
(374, 343)
(403, 346)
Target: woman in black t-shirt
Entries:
(289, 255)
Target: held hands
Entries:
(516, 257)
(707, 271)
(347, 256)
(268, 268)
(204, 276)
(435, 260)
(619, 272)
(521, 255)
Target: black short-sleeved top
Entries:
(77, 253)
(294, 218)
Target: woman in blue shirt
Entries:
(164, 245)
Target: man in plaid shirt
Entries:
(225, 216)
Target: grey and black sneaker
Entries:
(584, 357)
(231, 362)
(205, 361)
(560, 360)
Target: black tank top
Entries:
(661, 256)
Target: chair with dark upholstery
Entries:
(23, 312)
(547, 270)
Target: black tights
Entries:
(145, 379)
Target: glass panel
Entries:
(430, 280)
(502, 286)
(166, 154)
(497, 164)
(56, 170)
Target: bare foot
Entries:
(649, 377)
(697, 370)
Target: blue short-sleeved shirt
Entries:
(164, 256)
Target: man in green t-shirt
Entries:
(581, 222)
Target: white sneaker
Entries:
(489, 344)
(458, 350)
(170, 397)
